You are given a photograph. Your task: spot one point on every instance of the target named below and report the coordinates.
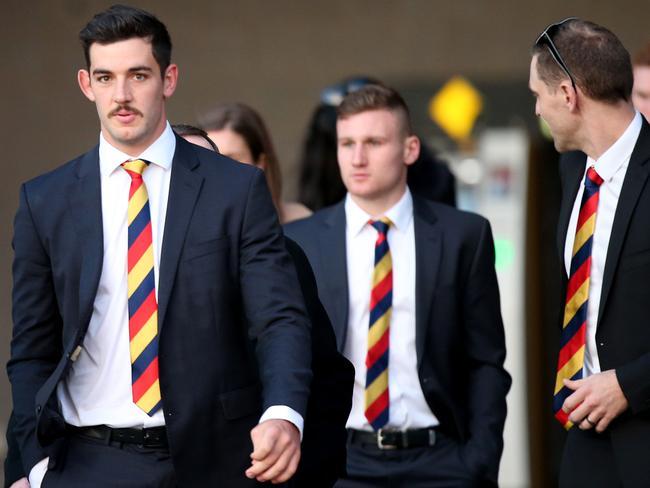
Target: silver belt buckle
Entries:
(380, 442)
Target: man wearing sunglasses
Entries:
(581, 77)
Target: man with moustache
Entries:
(157, 314)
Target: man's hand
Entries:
(21, 483)
(276, 451)
(595, 401)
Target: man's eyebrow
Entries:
(102, 71)
(140, 68)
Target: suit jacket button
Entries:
(38, 409)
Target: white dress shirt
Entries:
(408, 408)
(611, 167)
(97, 389)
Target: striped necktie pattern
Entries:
(574, 330)
(381, 301)
(143, 307)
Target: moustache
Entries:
(126, 108)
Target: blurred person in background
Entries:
(581, 77)
(195, 135)
(320, 180)
(240, 133)
(641, 89)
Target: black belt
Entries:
(394, 439)
(155, 437)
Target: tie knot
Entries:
(381, 225)
(592, 179)
(135, 167)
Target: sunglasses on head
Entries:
(333, 95)
(546, 39)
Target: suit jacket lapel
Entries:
(634, 182)
(85, 204)
(335, 272)
(428, 251)
(184, 189)
(572, 170)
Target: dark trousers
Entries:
(438, 466)
(94, 463)
(589, 459)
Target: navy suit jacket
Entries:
(459, 335)
(233, 332)
(622, 331)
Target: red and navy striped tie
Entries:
(574, 331)
(143, 308)
(381, 302)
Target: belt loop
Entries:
(107, 436)
(432, 437)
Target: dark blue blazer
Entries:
(623, 328)
(459, 335)
(234, 335)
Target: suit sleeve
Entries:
(13, 463)
(273, 304)
(36, 342)
(485, 344)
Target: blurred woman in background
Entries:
(240, 133)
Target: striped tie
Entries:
(572, 349)
(381, 300)
(143, 309)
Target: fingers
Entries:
(264, 453)
(574, 402)
(283, 468)
(573, 384)
(276, 451)
(587, 423)
(597, 401)
(264, 440)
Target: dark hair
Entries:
(595, 57)
(190, 130)
(642, 56)
(246, 122)
(375, 97)
(320, 183)
(121, 22)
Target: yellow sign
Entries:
(455, 108)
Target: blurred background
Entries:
(462, 66)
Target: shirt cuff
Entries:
(282, 412)
(37, 473)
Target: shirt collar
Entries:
(619, 152)
(399, 214)
(160, 153)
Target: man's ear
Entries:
(570, 94)
(170, 80)
(411, 149)
(83, 78)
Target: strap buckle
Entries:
(383, 444)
